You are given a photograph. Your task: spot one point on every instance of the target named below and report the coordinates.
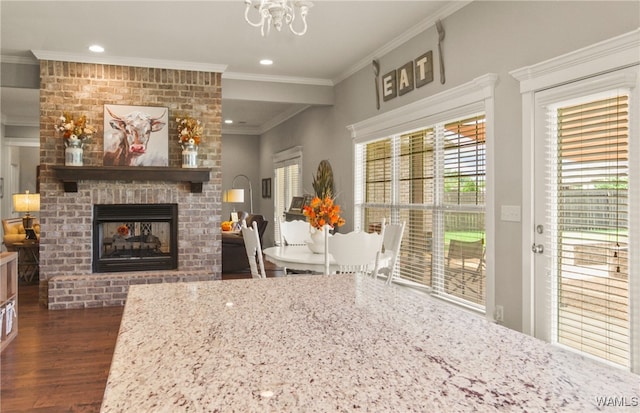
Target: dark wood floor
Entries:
(59, 361)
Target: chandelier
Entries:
(277, 12)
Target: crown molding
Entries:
(129, 61)
(19, 60)
(446, 10)
(281, 118)
(20, 121)
(240, 130)
(29, 142)
(265, 127)
(277, 79)
(167, 64)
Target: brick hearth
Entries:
(66, 278)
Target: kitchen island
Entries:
(337, 343)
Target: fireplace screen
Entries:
(136, 237)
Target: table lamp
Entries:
(27, 203)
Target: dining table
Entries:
(338, 343)
(299, 257)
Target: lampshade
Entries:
(26, 202)
(234, 195)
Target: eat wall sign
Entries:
(404, 79)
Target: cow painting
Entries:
(131, 136)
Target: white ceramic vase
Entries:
(316, 245)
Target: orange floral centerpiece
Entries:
(74, 130)
(189, 131)
(321, 212)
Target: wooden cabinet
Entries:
(8, 297)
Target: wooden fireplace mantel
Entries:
(70, 175)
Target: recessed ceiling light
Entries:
(96, 48)
(228, 121)
(266, 62)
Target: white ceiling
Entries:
(343, 37)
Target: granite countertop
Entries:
(337, 343)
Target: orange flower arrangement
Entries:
(71, 128)
(321, 212)
(189, 130)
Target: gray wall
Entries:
(29, 156)
(240, 155)
(29, 160)
(482, 37)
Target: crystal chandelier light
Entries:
(278, 12)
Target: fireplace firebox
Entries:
(135, 237)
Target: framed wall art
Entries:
(297, 202)
(266, 188)
(136, 136)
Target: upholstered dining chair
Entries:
(355, 252)
(387, 256)
(254, 250)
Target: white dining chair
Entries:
(355, 252)
(254, 250)
(387, 256)
(294, 232)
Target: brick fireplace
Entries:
(67, 279)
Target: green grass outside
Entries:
(462, 236)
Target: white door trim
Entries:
(602, 57)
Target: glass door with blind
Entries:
(582, 220)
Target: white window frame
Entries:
(604, 57)
(472, 97)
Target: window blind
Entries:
(416, 192)
(462, 209)
(287, 185)
(433, 179)
(589, 194)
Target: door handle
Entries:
(537, 248)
